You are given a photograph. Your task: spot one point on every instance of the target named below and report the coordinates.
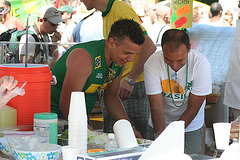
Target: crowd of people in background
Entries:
(74, 12)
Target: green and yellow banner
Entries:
(21, 8)
(181, 13)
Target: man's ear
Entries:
(220, 12)
(69, 15)
(190, 47)
(111, 42)
(41, 20)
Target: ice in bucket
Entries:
(222, 134)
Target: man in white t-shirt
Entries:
(177, 81)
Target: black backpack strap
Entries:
(38, 49)
(13, 48)
(6, 36)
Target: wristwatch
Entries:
(130, 81)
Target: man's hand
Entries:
(125, 90)
(56, 37)
(137, 133)
(90, 128)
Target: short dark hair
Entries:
(7, 3)
(215, 9)
(176, 37)
(127, 27)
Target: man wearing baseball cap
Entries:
(47, 23)
(67, 28)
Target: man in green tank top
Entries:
(95, 66)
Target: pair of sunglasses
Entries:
(2, 10)
(52, 24)
(174, 78)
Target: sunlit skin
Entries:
(87, 4)
(122, 52)
(48, 27)
(176, 60)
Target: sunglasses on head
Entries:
(2, 9)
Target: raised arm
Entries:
(147, 50)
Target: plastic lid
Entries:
(45, 115)
(95, 150)
(111, 135)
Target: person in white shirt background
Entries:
(66, 15)
(162, 24)
(150, 15)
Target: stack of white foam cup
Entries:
(77, 121)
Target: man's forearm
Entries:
(194, 104)
(147, 50)
(188, 116)
(158, 120)
(115, 107)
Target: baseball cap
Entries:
(66, 8)
(51, 13)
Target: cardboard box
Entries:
(119, 154)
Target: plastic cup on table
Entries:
(222, 134)
(70, 152)
(77, 131)
(124, 134)
(77, 110)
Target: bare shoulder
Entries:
(79, 58)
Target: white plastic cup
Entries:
(70, 152)
(77, 134)
(75, 128)
(77, 110)
(222, 134)
(124, 133)
(75, 123)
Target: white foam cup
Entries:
(124, 133)
(222, 134)
(70, 152)
(77, 110)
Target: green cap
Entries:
(66, 8)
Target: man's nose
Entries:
(130, 57)
(174, 66)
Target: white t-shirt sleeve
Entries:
(152, 71)
(31, 47)
(202, 84)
